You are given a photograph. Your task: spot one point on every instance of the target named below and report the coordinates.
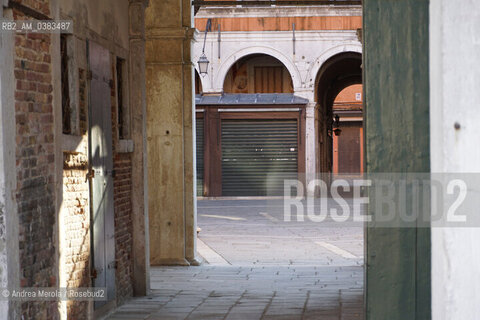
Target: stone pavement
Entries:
(253, 232)
(260, 268)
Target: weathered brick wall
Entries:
(122, 163)
(76, 221)
(76, 211)
(41, 6)
(123, 225)
(35, 163)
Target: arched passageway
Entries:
(337, 73)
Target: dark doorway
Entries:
(336, 74)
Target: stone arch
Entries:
(312, 74)
(336, 73)
(228, 63)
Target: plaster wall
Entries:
(107, 18)
(454, 95)
(9, 251)
(312, 49)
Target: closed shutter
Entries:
(349, 160)
(200, 166)
(257, 156)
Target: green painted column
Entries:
(396, 79)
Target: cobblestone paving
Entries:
(262, 268)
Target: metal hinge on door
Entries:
(94, 273)
(90, 175)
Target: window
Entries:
(66, 111)
(123, 115)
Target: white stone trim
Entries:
(302, 35)
(281, 11)
(227, 64)
(351, 46)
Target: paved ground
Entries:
(253, 232)
(260, 267)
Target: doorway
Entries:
(101, 172)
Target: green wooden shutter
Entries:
(200, 147)
(257, 156)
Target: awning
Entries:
(249, 99)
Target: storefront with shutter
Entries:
(248, 144)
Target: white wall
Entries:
(313, 48)
(454, 98)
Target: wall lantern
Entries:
(203, 61)
(203, 65)
(336, 126)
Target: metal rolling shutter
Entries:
(200, 146)
(257, 155)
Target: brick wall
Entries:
(35, 170)
(76, 221)
(123, 225)
(41, 6)
(122, 163)
(76, 212)
(35, 163)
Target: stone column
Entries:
(141, 265)
(310, 142)
(170, 138)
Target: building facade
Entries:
(420, 71)
(72, 199)
(276, 50)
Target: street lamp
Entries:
(336, 125)
(203, 64)
(203, 61)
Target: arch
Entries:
(312, 74)
(336, 73)
(228, 63)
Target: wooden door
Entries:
(101, 161)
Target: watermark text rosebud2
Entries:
(385, 200)
(320, 210)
